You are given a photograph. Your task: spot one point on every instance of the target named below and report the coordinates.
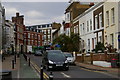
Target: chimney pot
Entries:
(17, 14)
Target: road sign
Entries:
(119, 38)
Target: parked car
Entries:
(70, 57)
(38, 53)
(55, 59)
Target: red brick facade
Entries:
(19, 31)
(33, 38)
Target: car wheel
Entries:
(67, 68)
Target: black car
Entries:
(38, 53)
(55, 59)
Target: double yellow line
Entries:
(39, 70)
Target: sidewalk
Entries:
(21, 70)
(113, 71)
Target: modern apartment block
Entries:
(18, 20)
(112, 23)
(46, 29)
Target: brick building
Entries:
(46, 29)
(18, 20)
(33, 37)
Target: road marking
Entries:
(38, 69)
(65, 75)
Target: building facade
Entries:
(112, 23)
(46, 29)
(9, 35)
(89, 35)
(0, 27)
(32, 38)
(71, 12)
(18, 20)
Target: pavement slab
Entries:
(26, 71)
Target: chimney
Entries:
(91, 4)
(17, 14)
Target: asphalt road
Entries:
(75, 72)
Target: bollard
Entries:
(29, 61)
(51, 76)
(15, 58)
(17, 55)
(41, 73)
(82, 57)
(12, 64)
(91, 55)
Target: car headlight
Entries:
(66, 61)
(50, 62)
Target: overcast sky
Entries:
(37, 12)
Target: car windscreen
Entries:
(38, 51)
(56, 57)
(68, 55)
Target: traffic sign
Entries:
(119, 38)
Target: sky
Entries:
(36, 12)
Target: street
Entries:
(73, 72)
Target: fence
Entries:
(87, 58)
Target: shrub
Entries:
(99, 46)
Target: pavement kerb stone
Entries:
(95, 68)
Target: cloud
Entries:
(34, 14)
(11, 11)
(59, 18)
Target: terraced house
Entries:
(112, 23)
(99, 23)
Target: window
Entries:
(88, 44)
(87, 26)
(113, 15)
(112, 39)
(100, 20)
(100, 38)
(107, 18)
(44, 37)
(24, 35)
(83, 27)
(90, 24)
(96, 22)
(44, 31)
(48, 36)
(48, 31)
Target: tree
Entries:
(67, 43)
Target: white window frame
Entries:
(83, 26)
(100, 20)
(91, 24)
(87, 26)
(107, 18)
(96, 22)
(113, 16)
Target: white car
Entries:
(70, 57)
